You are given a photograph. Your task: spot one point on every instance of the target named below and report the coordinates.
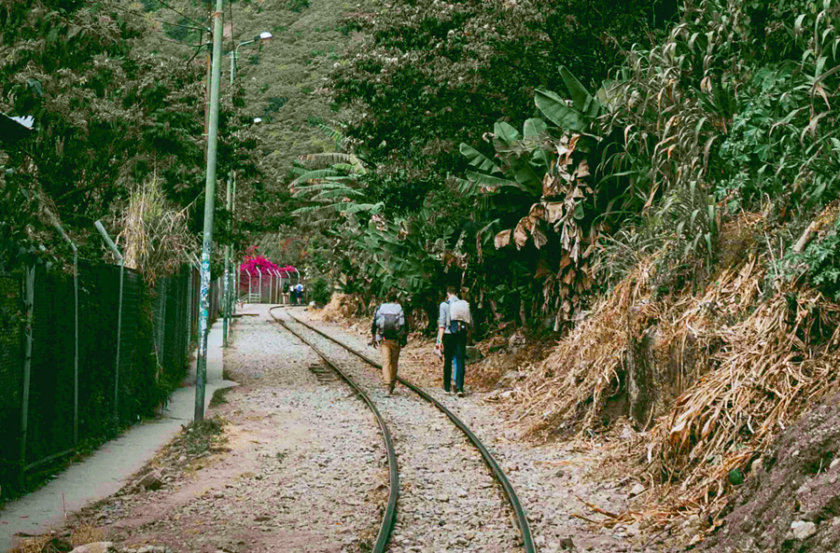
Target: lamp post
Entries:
(231, 193)
(209, 200)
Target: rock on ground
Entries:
(299, 466)
(791, 501)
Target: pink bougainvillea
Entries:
(256, 264)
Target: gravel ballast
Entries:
(448, 499)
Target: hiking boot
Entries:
(460, 393)
(447, 391)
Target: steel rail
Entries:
(498, 473)
(389, 517)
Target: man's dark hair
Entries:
(391, 295)
(452, 290)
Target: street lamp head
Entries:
(265, 35)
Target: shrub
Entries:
(320, 291)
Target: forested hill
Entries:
(283, 82)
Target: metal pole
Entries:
(189, 306)
(75, 330)
(228, 296)
(76, 346)
(235, 296)
(164, 285)
(250, 278)
(237, 277)
(191, 287)
(259, 282)
(209, 199)
(113, 248)
(227, 290)
(228, 248)
(27, 360)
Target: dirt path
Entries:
(300, 467)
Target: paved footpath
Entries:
(111, 466)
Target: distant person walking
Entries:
(389, 330)
(299, 293)
(454, 322)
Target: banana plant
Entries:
(331, 181)
(539, 184)
(542, 170)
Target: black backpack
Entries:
(391, 326)
(390, 320)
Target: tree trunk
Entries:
(431, 309)
(641, 370)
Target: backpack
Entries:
(459, 316)
(390, 321)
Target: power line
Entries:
(182, 14)
(167, 39)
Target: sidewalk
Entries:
(111, 466)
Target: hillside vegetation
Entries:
(670, 210)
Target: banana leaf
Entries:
(478, 160)
(555, 109)
(581, 99)
(505, 135)
(534, 127)
(491, 183)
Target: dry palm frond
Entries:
(155, 236)
(770, 367)
(584, 369)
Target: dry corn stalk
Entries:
(770, 366)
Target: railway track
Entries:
(388, 518)
(389, 515)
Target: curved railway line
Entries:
(389, 515)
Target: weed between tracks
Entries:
(219, 397)
(200, 437)
(56, 543)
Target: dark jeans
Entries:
(454, 353)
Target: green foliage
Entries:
(288, 90)
(408, 222)
(297, 5)
(320, 290)
(819, 263)
(691, 141)
(456, 68)
(822, 259)
(331, 181)
(106, 117)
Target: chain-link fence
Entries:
(82, 383)
(267, 287)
